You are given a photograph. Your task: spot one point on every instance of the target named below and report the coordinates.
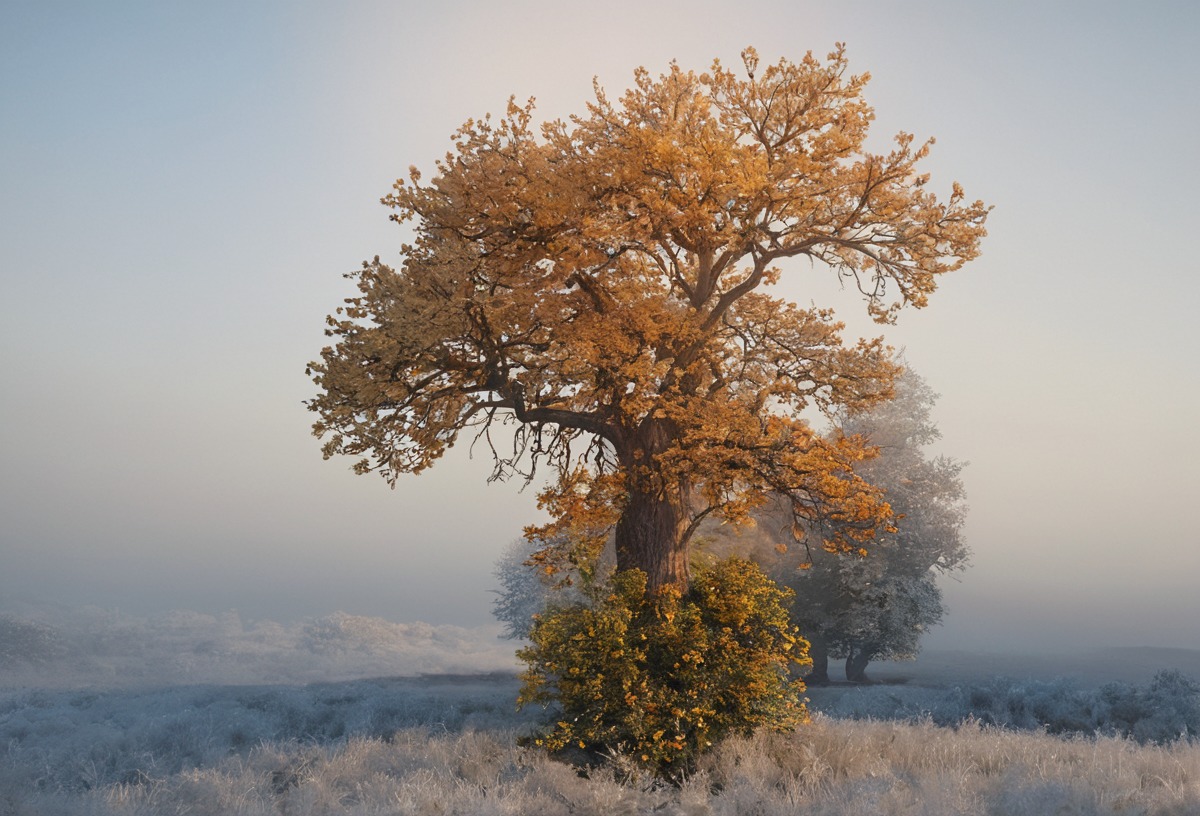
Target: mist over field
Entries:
(90, 647)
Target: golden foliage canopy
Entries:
(604, 283)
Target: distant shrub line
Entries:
(1165, 710)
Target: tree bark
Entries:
(856, 665)
(650, 537)
(653, 531)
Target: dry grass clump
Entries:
(892, 768)
(828, 768)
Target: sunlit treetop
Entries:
(603, 283)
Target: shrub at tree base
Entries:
(662, 678)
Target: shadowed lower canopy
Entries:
(602, 285)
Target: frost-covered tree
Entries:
(523, 590)
(875, 604)
(527, 588)
(867, 609)
(877, 607)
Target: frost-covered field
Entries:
(68, 648)
(188, 714)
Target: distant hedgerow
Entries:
(663, 678)
(27, 641)
(1163, 711)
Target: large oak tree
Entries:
(602, 286)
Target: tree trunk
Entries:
(818, 675)
(856, 665)
(649, 537)
(652, 533)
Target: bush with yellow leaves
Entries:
(662, 678)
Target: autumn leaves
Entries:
(603, 282)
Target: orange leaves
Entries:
(603, 277)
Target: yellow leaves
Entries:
(692, 679)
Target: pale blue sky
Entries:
(183, 184)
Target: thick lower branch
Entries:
(514, 400)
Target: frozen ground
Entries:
(102, 713)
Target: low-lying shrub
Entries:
(661, 679)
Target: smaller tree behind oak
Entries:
(602, 285)
(878, 607)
